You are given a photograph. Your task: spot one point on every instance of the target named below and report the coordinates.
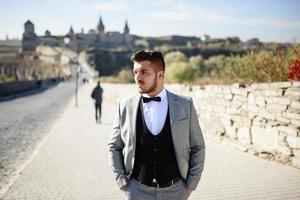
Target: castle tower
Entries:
(71, 32)
(29, 30)
(47, 33)
(100, 27)
(127, 38)
(30, 39)
(126, 28)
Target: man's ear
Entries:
(161, 75)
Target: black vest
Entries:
(155, 155)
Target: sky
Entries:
(268, 20)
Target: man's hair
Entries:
(152, 56)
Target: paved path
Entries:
(73, 164)
(25, 121)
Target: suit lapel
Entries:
(172, 101)
(133, 115)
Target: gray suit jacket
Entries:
(186, 134)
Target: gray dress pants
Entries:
(137, 191)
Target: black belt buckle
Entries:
(167, 184)
(155, 183)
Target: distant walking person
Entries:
(97, 96)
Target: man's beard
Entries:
(152, 88)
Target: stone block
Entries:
(226, 120)
(242, 92)
(259, 122)
(293, 110)
(253, 109)
(276, 108)
(213, 126)
(253, 87)
(279, 100)
(272, 93)
(251, 99)
(261, 101)
(296, 84)
(284, 150)
(244, 136)
(266, 114)
(232, 110)
(292, 116)
(295, 104)
(265, 138)
(282, 119)
(296, 153)
(296, 162)
(226, 90)
(294, 142)
(228, 96)
(268, 93)
(231, 132)
(277, 85)
(237, 99)
(263, 86)
(282, 139)
(217, 89)
(235, 86)
(295, 122)
(291, 131)
(274, 123)
(292, 92)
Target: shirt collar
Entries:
(162, 94)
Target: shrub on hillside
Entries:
(264, 66)
(181, 73)
(175, 57)
(125, 76)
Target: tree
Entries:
(175, 57)
(198, 62)
(181, 73)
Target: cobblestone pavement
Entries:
(73, 164)
(25, 121)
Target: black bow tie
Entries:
(146, 99)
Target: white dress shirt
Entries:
(155, 113)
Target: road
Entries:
(25, 121)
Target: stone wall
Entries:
(12, 89)
(262, 119)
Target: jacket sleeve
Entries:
(197, 150)
(115, 151)
(93, 94)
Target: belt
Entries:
(157, 185)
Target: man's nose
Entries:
(137, 75)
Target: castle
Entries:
(98, 38)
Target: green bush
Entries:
(181, 73)
(125, 76)
(198, 62)
(7, 79)
(263, 66)
(175, 57)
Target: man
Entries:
(97, 96)
(156, 148)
